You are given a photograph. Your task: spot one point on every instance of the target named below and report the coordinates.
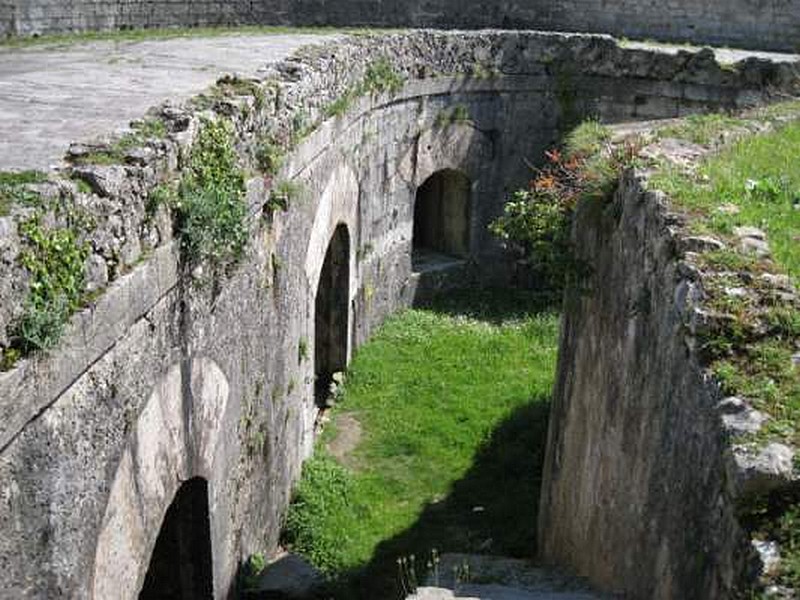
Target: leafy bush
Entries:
(55, 260)
(535, 225)
(535, 222)
(211, 210)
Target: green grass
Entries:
(761, 176)
(588, 138)
(13, 191)
(453, 403)
(701, 129)
(757, 179)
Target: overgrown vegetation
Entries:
(380, 77)
(453, 405)
(14, 190)
(751, 181)
(55, 259)
(117, 151)
(535, 222)
(209, 203)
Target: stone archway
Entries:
(173, 444)
(181, 564)
(331, 314)
(442, 217)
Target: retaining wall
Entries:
(761, 24)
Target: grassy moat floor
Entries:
(449, 408)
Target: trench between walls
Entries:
(313, 156)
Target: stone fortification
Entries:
(741, 23)
(158, 380)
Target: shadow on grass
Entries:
(492, 510)
(493, 305)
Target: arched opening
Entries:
(441, 218)
(181, 567)
(331, 314)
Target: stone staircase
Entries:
(478, 577)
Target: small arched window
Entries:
(442, 216)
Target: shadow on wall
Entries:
(331, 314)
(493, 509)
(181, 564)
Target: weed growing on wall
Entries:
(535, 224)
(269, 155)
(116, 152)
(13, 190)
(380, 77)
(55, 261)
(210, 207)
(282, 195)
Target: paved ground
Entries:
(53, 95)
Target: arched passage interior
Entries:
(181, 564)
(441, 217)
(331, 314)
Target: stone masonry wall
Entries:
(761, 24)
(637, 494)
(158, 380)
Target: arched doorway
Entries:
(180, 567)
(331, 314)
(441, 217)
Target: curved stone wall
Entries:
(151, 360)
(774, 24)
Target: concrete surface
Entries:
(53, 95)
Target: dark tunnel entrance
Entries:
(441, 218)
(331, 314)
(181, 565)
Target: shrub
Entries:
(535, 222)
(55, 260)
(211, 212)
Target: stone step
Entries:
(479, 577)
